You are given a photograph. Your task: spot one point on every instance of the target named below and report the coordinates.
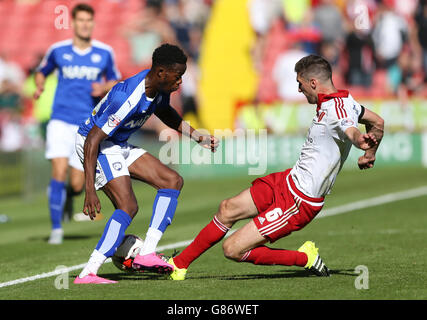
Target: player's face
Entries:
(172, 77)
(83, 25)
(308, 88)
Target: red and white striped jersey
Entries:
(327, 146)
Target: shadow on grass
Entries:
(283, 274)
(128, 276)
(279, 275)
(67, 237)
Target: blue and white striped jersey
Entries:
(124, 109)
(77, 70)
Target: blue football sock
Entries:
(56, 196)
(114, 232)
(164, 208)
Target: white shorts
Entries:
(113, 160)
(60, 142)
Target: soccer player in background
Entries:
(86, 71)
(110, 161)
(283, 202)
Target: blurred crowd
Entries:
(378, 48)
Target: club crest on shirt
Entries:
(347, 122)
(95, 58)
(113, 121)
(67, 56)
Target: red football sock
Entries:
(267, 256)
(207, 237)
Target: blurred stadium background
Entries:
(240, 73)
(240, 76)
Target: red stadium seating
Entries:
(28, 29)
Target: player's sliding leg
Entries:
(56, 198)
(230, 211)
(247, 245)
(150, 170)
(119, 190)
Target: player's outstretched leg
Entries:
(247, 245)
(230, 211)
(207, 237)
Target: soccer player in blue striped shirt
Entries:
(110, 161)
(86, 71)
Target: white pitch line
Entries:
(376, 201)
(357, 205)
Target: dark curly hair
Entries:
(167, 55)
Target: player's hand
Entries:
(209, 142)
(98, 89)
(92, 206)
(38, 92)
(367, 141)
(366, 161)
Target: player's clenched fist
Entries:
(366, 161)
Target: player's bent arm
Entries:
(172, 119)
(169, 117)
(361, 140)
(374, 125)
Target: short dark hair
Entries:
(314, 65)
(167, 55)
(82, 7)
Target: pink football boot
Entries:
(151, 262)
(92, 278)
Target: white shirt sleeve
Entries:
(344, 113)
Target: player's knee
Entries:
(230, 251)
(173, 181)
(75, 189)
(226, 212)
(131, 208)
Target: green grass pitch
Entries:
(388, 239)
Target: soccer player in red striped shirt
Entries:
(283, 202)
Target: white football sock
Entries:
(95, 262)
(151, 240)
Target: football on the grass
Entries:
(126, 252)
